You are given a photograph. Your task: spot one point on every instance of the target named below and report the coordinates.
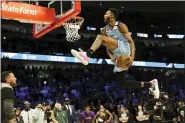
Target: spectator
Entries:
(140, 116)
(28, 113)
(38, 114)
(7, 100)
(101, 117)
(104, 113)
(124, 116)
(87, 116)
(61, 116)
(19, 118)
(70, 110)
(115, 118)
(181, 114)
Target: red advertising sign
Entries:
(27, 13)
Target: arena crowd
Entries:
(69, 93)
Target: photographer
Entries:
(158, 114)
(158, 107)
(50, 118)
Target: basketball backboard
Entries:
(64, 11)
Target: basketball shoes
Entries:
(81, 55)
(154, 90)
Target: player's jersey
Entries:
(123, 45)
(115, 33)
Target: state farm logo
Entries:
(20, 10)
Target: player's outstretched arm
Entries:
(125, 31)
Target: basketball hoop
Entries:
(72, 26)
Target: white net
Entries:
(72, 26)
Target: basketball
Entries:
(124, 61)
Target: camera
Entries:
(161, 106)
(48, 113)
(158, 104)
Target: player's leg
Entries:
(123, 83)
(108, 42)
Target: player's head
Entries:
(9, 78)
(110, 15)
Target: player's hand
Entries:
(131, 59)
(124, 61)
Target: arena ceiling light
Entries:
(142, 35)
(175, 36)
(157, 36)
(91, 28)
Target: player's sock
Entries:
(90, 52)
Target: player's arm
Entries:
(103, 32)
(125, 31)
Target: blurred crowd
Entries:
(16, 41)
(93, 94)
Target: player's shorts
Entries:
(123, 48)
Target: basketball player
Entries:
(121, 50)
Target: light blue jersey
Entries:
(123, 44)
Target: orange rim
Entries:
(78, 17)
(81, 20)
